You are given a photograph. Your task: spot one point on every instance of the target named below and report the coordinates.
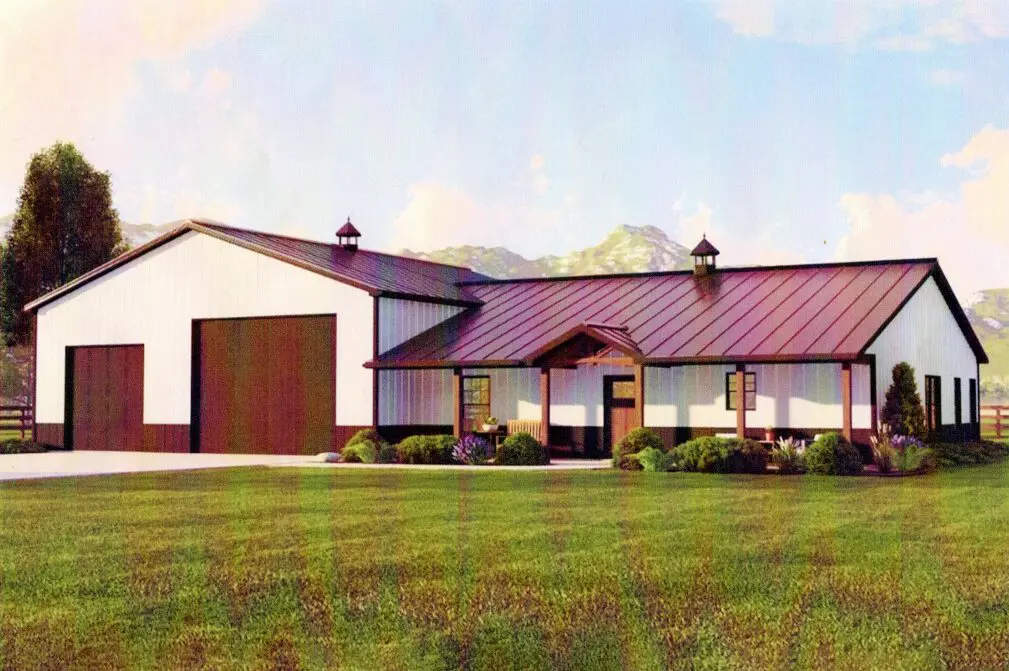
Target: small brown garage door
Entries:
(105, 400)
(266, 385)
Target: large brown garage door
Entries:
(265, 385)
(105, 397)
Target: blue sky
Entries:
(789, 131)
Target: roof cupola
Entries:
(348, 236)
(704, 257)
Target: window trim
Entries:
(730, 396)
(972, 386)
(957, 402)
(933, 398)
(462, 401)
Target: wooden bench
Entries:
(531, 426)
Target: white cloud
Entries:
(906, 25)
(438, 216)
(757, 246)
(69, 67)
(946, 77)
(539, 181)
(966, 229)
(216, 82)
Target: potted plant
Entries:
(769, 434)
(490, 424)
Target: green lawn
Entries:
(397, 569)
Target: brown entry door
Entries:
(618, 399)
(265, 385)
(105, 397)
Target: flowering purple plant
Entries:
(903, 442)
(471, 450)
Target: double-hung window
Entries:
(749, 389)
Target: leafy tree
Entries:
(902, 409)
(64, 226)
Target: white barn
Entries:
(218, 339)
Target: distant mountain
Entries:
(988, 312)
(135, 234)
(628, 249)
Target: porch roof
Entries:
(821, 312)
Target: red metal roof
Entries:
(379, 274)
(348, 230)
(827, 312)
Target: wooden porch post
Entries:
(545, 405)
(846, 401)
(740, 401)
(639, 394)
(457, 402)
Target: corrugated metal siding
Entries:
(153, 300)
(925, 334)
(399, 320)
(788, 395)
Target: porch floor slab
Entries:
(554, 465)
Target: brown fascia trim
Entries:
(597, 332)
(191, 225)
(958, 314)
(653, 362)
(674, 273)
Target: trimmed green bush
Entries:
(362, 452)
(364, 435)
(833, 455)
(635, 441)
(902, 409)
(387, 454)
(915, 459)
(720, 455)
(15, 446)
(629, 462)
(521, 449)
(427, 449)
(655, 460)
(968, 453)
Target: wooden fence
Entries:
(995, 421)
(16, 419)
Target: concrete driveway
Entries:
(71, 464)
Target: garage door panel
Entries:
(107, 398)
(267, 385)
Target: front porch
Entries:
(588, 389)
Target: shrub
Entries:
(915, 458)
(363, 452)
(364, 436)
(629, 462)
(968, 453)
(833, 455)
(789, 456)
(902, 409)
(521, 449)
(720, 455)
(427, 449)
(15, 446)
(655, 460)
(387, 454)
(471, 450)
(635, 441)
(883, 452)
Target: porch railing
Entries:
(995, 421)
(16, 419)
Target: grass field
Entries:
(280, 568)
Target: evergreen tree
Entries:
(902, 409)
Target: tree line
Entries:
(64, 226)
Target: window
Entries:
(973, 401)
(750, 389)
(933, 402)
(623, 389)
(957, 403)
(475, 401)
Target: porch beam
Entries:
(545, 405)
(639, 394)
(740, 401)
(457, 402)
(846, 401)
